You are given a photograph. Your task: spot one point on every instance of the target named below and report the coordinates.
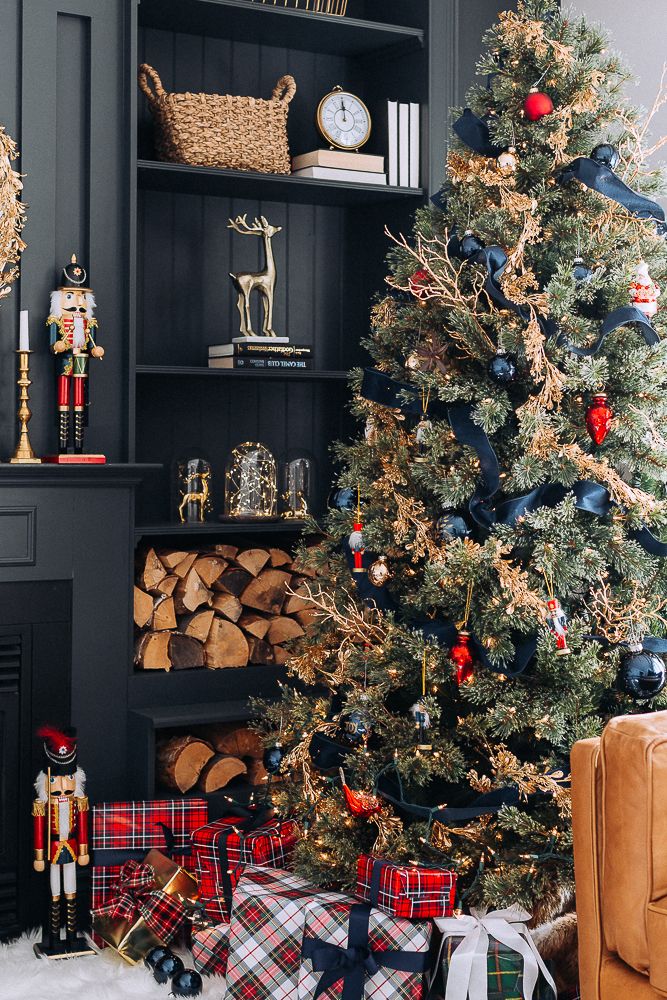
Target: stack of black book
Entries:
(264, 355)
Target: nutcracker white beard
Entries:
(79, 786)
(79, 335)
(57, 305)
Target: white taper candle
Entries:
(24, 339)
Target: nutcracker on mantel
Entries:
(60, 831)
(72, 328)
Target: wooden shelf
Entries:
(154, 175)
(178, 371)
(241, 20)
(167, 528)
(184, 697)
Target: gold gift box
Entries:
(133, 941)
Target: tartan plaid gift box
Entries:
(492, 955)
(210, 949)
(126, 831)
(352, 951)
(416, 892)
(223, 846)
(266, 934)
(146, 908)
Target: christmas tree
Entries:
(492, 583)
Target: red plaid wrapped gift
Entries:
(416, 892)
(210, 950)
(126, 831)
(360, 950)
(266, 934)
(221, 847)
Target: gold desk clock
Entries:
(343, 120)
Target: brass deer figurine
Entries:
(264, 281)
(201, 497)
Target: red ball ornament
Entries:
(461, 656)
(417, 283)
(537, 105)
(598, 418)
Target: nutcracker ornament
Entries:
(60, 831)
(72, 329)
(557, 623)
(644, 292)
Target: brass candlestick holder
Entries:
(24, 455)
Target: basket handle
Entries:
(147, 73)
(285, 89)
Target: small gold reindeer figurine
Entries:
(263, 281)
(200, 498)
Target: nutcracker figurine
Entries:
(60, 828)
(72, 327)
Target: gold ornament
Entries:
(263, 282)
(378, 572)
(413, 362)
(508, 162)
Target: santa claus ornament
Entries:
(60, 832)
(644, 292)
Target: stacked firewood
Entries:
(220, 607)
(210, 759)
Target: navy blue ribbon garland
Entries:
(624, 316)
(474, 132)
(602, 179)
(354, 963)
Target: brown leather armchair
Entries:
(619, 799)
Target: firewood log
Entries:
(218, 772)
(185, 565)
(226, 646)
(283, 629)
(209, 568)
(170, 558)
(232, 738)
(299, 567)
(198, 625)
(164, 616)
(281, 655)
(261, 652)
(191, 593)
(152, 651)
(297, 600)
(279, 558)
(233, 581)
(267, 591)
(185, 652)
(307, 617)
(166, 586)
(143, 608)
(180, 761)
(254, 560)
(228, 606)
(227, 552)
(152, 572)
(254, 624)
(257, 773)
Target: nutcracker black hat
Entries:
(74, 275)
(60, 750)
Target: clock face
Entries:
(344, 120)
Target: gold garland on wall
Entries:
(12, 215)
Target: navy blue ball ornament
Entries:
(580, 272)
(449, 527)
(641, 673)
(606, 155)
(273, 758)
(169, 965)
(155, 954)
(354, 728)
(502, 368)
(470, 245)
(187, 983)
(343, 499)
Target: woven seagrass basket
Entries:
(214, 130)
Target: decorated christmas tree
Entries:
(491, 584)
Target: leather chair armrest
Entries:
(585, 816)
(656, 929)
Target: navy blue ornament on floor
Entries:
(641, 673)
(451, 526)
(502, 368)
(155, 954)
(606, 155)
(187, 983)
(167, 967)
(273, 758)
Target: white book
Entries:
(392, 141)
(414, 145)
(345, 176)
(404, 145)
(339, 159)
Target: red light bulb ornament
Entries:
(461, 654)
(598, 418)
(356, 539)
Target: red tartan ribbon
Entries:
(137, 897)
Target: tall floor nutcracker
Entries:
(72, 327)
(60, 828)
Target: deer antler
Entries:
(240, 225)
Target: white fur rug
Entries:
(93, 977)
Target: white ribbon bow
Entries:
(467, 972)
